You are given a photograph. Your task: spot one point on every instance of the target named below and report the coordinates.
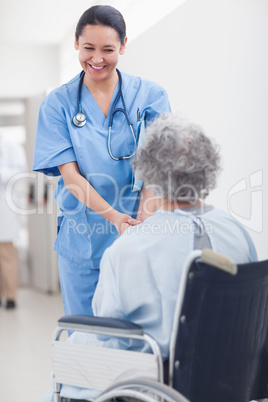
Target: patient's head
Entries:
(176, 160)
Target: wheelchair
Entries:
(218, 345)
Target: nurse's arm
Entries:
(85, 193)
(147, 204)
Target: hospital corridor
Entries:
(25, 347)
(81, 83)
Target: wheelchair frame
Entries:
(91, 359)
(126, 381)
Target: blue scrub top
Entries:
(84, 234)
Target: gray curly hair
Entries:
(176, 160)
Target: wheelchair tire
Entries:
(140, 389)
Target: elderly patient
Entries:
(140, 272)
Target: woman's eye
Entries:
(89, 48)
(108, 50)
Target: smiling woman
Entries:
(94, 188)
(100, 38)
(99, 49)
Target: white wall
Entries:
(28, 70)
(211, 56)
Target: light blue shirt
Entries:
(140, 273)
(84, 234)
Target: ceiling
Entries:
(31, 30)
(44, 21)
(47, 22)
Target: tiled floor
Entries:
(25, 339)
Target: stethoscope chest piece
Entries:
(79, 119)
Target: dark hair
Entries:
(102, 15)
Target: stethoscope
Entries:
(80, 120)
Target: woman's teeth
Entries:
(97, 68)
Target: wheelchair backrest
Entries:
(221, 346)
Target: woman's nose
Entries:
(97, 58)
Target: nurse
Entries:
(86, 134)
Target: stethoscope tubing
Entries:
(119, 158)
(80, 91)
(79, 119)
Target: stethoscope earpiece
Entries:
(79, 119)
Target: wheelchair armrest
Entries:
(89, 356)
(102, 325)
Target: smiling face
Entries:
(99, 49)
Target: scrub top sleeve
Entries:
(53, 143)
(159, 104)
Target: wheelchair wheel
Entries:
(138, 389)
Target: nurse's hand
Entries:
(123, 221)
